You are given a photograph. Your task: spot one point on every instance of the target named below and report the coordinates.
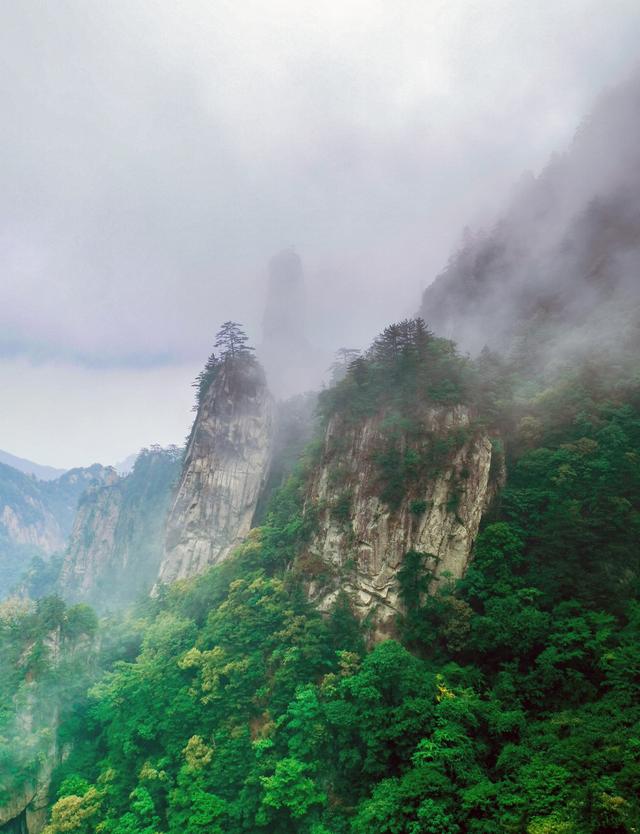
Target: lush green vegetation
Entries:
(45, 657)
(510, 704)
(406, 367)
(510, 701)
(405, 377)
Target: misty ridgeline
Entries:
(406, 603)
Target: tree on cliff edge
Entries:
(232, 341)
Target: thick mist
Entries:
(561, 270)
(155, 156)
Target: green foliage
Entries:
(205, 379)
(405, 367)
(232, 342)
(45, 657)
(405, 374)
(510, 706)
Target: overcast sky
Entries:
(154, 155)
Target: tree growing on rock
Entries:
(344, 358)
(232, 341)
(204, 379)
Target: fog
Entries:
(561, 267)
(155, 156)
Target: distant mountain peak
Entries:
(44, 473)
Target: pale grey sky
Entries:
(154, 155)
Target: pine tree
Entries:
(409, 337)
(232, 340)
(386, 347)
(344, 358)
(204, 379)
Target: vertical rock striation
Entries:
(36, 517)
(116, 545)
(225, 469)
(360, 541)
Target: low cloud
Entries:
(154, 155)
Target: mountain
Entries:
(557, 277)
(429, 623)
(43, 473)
(225, 469)
(435, 628)
(125, 466)
(168, 519)
(363, 531)
(116, 543)
(293, 365)
(36, 516)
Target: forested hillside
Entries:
(557, 276)
(508, 701)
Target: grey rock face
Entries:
(37, 527)
(226, 466)
(93, 540)
(36, 517)
(25, 811)
(39, 513)
(116, 544)
(440, 514)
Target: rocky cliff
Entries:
(361, 538)
(116, 544)
(36, 516)
(41, 645)
(225, 469)
(26, 810)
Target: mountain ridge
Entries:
(29, 467)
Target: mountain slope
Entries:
(558, 276)
(44, 473)
(36, 516)
(509, 702)
(116, 543)
(513, 705)
(408, 464)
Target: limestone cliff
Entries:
(225, 469)
(36, 516)
(361, 539)
(116, 544)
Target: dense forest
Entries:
(507, 702)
